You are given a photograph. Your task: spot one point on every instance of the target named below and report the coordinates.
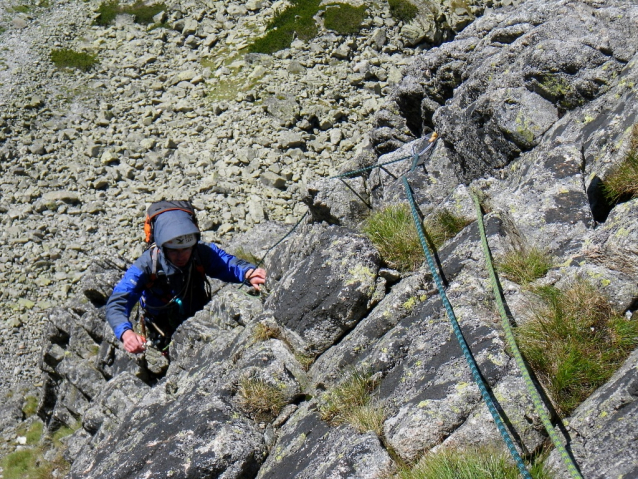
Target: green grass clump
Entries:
(352, 402)
(524, 265)
(622, 181)
(63, 432)
(71, 59)
(30, 464)
(261, 399)
(30, 406)
(34, 434)
(143, 13)
(392, 232)
(107, 12)
(343, 18)
(403, 10)
(22, 9)
(296, 19)
(444, 225)
(264, 332)
(242, 253)
(574, 341)
(479, 463)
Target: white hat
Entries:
(181, 242)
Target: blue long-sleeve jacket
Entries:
(137, 283)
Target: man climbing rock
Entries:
(170, 279)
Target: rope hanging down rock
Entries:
(476, 375)
(511, 342)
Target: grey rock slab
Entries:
(337, 203)
(273, 180)
(81, 374)
(194, 434)
(546, 198)
(325, 294)
(64, 196)
(116, 399)
(480, 429)
(354, 347)
(288, 140)
(309, 448)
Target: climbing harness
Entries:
(150, 315)
(511, 342)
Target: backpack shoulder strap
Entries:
(154, 263)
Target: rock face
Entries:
(534, 104)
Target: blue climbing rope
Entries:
(461, 340)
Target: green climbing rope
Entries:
(461, 339)
(511, 342)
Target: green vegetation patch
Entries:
(30, 406)
(343, 18)
(246, 255)
(30, 464)
(444, 225)
(71, 59)
(63, 432)
(622, 180)
(264, 332)
(352, 402)
(392, 232)
(524, 265)
(34, 433)
(479, 463)
(403, 10)
(296, 19)
(261, 399)
(574, 341)
(142, 13)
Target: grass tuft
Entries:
(403, 10)
(444, 225)
(575, 341)
(34, 434)
(622, 181)
(63, 432)
(343, 18)
(242, 253)
(30, 464)
(143, 13)
(30, 406)
(22, 9)
(71, 59)
(351, 402)
(296, 20)
(392, 232)
(261, 399)
(524, 265)
(475, 463)
(107, 12)
(264, 332)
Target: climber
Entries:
(170, 281)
